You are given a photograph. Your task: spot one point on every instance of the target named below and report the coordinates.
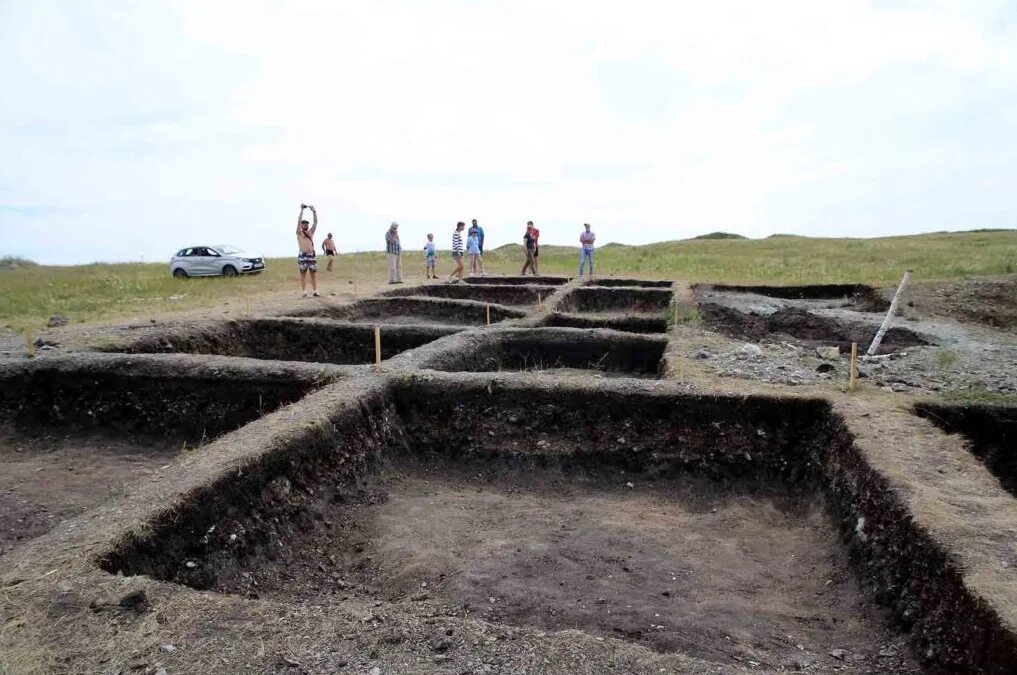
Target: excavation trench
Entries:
(991, 432)
(863, 298)
(616, 300)
(557, 352)
(630, 283)
(405, 310)
(507, 294)
(628, 324)
(294, 339)
(805, 327)
(74, 432)
(518, 281)
(720, 527)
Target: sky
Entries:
(129, 130)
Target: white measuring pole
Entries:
(889, 315)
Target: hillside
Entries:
(30, 294)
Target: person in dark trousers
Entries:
(529, 247)
(536, 247)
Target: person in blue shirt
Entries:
(473, 249)
(480, 239)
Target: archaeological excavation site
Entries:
(516, 475)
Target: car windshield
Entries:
(228, 250)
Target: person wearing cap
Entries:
(586, 239)
(395, 254)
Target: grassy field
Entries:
(31, 294)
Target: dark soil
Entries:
(630, 283)
(403, 310)
(308, 340)
(805, 327)
(622, 322)
(990, 302)
(507, 294)
(864, 298)
(545, 350)
(990, 430)
(756, 573)
(516, 281)
(625, 300)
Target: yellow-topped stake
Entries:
(377, 348)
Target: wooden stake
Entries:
(489, 315)
(853, 377)
(29, 344)
(540, 302)
(889, 315)
(377, 348)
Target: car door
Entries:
(203, 261)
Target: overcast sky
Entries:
(131, 129)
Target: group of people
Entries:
(472, 247)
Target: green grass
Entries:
(30, 294)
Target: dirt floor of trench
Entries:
(728, 571)
(48, 476)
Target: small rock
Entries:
(56, 321)
(169, 649)
(374, 671)
(828, 353)
(888, 652)
(750, 350)
(629, 485)
(701, 354)
(190, 564)
(838, 654)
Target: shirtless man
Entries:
(328, 246)
(306, 260)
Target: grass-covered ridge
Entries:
(31, 293)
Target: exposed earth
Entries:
(543, 476)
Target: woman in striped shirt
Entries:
(457, 250)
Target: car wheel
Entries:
(229, 271)
(180, 273)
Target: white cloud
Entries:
(197, 116)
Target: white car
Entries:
(207, 261)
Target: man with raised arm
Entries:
(306, 259)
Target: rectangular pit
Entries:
(417, 311)
(627, 324)
(518, 281)
(556, 352)
(76, 431)
(630, 283)
(861, 297)
(504, 294)
(309, 340)
(616, 301)
(991, 432)
(693, 524)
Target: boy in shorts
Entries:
(430, 258)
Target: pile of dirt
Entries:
(990, 302)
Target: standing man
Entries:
(395, 254)
(536, 246)
(529, 245)
(480, 239)
(586, 239)
(328, 246)
(306, 259)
